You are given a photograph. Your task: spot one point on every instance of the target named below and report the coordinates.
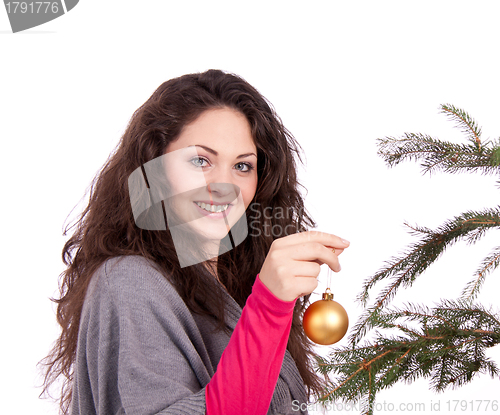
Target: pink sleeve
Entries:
(248, 370)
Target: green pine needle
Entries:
(445, 344)
(466, 123)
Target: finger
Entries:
(324, 238)
(336, 251)
(305, 269)
(300, 276)
(306, 284)
(315, 252)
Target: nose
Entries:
(220, 184)
(226, 192)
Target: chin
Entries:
(212, 231)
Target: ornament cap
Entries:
(327, 295)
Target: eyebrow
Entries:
(216, 154)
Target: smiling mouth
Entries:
(212, 208)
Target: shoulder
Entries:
(130, 280)
(132, 271)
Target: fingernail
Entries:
(345, 241)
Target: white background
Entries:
(340, 74)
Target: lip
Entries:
(212, 202)
(214, 215)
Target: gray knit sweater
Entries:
(141, 351)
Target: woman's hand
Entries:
(292, 265)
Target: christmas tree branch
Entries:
(446, 343)
(415, 146)
(447, 347)
(437, 154)
(464, 120)
(489, 263)
(420, 255)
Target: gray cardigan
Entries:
(141, 351)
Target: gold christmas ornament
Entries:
(325, 321)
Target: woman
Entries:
(168, 304)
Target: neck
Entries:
(211, 266)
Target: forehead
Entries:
(224, 128)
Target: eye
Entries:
(244, 167)
(199, 162)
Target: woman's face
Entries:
(212, 171)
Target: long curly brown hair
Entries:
(106, 227)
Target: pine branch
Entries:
(490, 263)
(405, 269)
(465, 122)
(461, 311)
(447, 347)
(436, 154)
(445, 344)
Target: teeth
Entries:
(212, 208)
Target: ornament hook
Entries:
(328, 295)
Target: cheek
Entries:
(182, 179)
(248, 190)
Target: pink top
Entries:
(248, 370)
